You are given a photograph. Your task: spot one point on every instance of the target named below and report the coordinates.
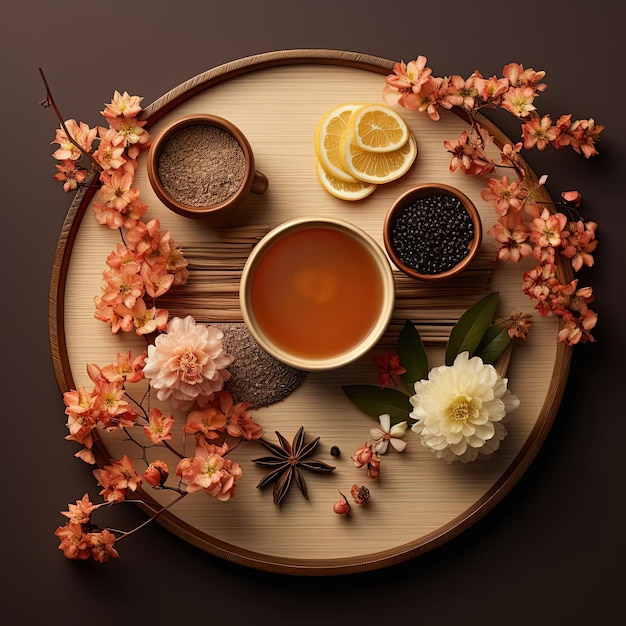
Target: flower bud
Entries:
(572, 198)
(341, 507)
(360, 494)
(362, 456)
(156, 473)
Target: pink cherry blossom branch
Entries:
(127, 533)
(49, 101)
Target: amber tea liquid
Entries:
(316, 292)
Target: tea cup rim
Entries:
(387, 301)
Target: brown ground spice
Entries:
(256, 377)
(201, 165)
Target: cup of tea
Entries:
(317, 293)
(202, 164)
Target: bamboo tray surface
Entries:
(419, 502)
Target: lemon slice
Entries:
(376, 167)
(328, 133)
(342, 189)
(378, 128)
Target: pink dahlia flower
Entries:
(187, 363)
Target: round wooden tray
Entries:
(419, 502)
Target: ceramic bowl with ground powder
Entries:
(201, 164)
(432, 232)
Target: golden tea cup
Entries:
(317, 293)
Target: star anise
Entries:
(286, 463)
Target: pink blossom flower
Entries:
(117, 317)
(81, 431)
(101, 544)
(208, 422)
(577, 329)
(131, 130)
(580, 244)
(406, 80)
(519, 101)
(188, 363)
(123, 105)
(81, 511)
(517, 324)
(79, 403)
(156, 279)
(570, 298)
(176, 264)
(538, 132)
(581, 135)
(122, 256)
(110, 151)
(70, 175)
(512, 239)
(126, 369)
(209, 472)
(109, 399)
(117, 190)
(429, 98)
(519, 77)
(490, 89)
(538, 284)
(461, 93)
(73, 542)
(547, 229)
(123, 286)
(116, 478)
(159, 426)
(143, 237)
(145, 320)
(468, 153)
(80, 133)
(505, 195)
(389, 369)
(586, 133)
(239, 416)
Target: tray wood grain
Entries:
(419, 502)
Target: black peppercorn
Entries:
(432, 234)
(334, 451)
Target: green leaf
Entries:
(375, 401)
(494, 342)
(472, 325)
(412, 355)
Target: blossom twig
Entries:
(128, 533)
(49, 101)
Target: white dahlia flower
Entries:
(187, 363)
(460, 409)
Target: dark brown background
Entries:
(551, 553)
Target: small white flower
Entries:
(384, 435)
(460, 409)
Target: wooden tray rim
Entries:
(216, 547)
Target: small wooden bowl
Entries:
(253, 181)
(406, 259)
